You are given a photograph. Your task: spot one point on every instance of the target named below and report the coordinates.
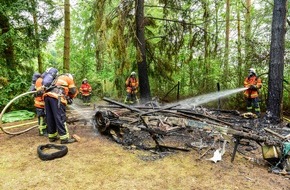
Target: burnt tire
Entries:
(61, 151)
(102, 121)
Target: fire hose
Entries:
(4, 110)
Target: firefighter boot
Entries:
(53, 139)
(67, 141)
(43, 132)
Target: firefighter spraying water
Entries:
(253, 83)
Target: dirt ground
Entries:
(96, 162)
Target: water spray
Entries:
(78, 109)
(202, 99)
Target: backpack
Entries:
(35, 76)
(49, 77)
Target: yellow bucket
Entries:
(271, 152)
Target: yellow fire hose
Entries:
(285, 118)
(5, 108)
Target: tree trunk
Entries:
(141, 52)
(206, 44)
(8, 52)
(36, 34)
(239, 71)
(99, 18)
(66, 52)
(239, 48)
(276, 65)
(216, 39)
(226, 55)
(248, 33)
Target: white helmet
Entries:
(133, 73)
(252, 71)
(70, 76)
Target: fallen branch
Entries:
(201, 115)
(123, 105)
(274, 133)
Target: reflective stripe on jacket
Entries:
(38, 100)
(85, 89)
(65, 86)
(253, 80)
(132, 82)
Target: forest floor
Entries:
(96, 162)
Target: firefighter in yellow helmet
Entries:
(253, 83)
(131, 88)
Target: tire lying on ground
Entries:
(61, 150)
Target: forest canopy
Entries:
(195, 43)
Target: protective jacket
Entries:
(64, 89)
(38, 99)
(256, 82)
(86, 89)
(132, 84)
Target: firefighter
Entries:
(86, 91)
(56, 100)
(253, 83)
(39, 103)
(131, 88)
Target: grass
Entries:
(98, 163)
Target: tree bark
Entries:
(239, 47)
(216, 39)
(239, 70)
(207, 68)
(66, 52)
(99, 18)
(226, 55)
(141, 53)
(248, 33)
(36, 35)
(276, 65)
(8, 52)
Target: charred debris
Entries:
(168, 129)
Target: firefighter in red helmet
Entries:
(86, 91)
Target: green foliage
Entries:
(182, 45)
(14, 88)
(18, 46)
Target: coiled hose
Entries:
(5, 108)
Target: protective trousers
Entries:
(131, 98)
(253, 102)
(41, 120)
(56, 117)
(86, 99)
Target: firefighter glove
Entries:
(253, 87)
(39, 92)
(69, 101)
